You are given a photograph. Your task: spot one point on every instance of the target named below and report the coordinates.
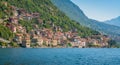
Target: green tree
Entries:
(69, 44)
(112, 43)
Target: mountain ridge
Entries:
(70, 9)
(114, 21)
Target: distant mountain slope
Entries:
(115, 21)
(75, 13)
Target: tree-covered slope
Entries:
(74, 12)
(5, 33)
(48, 13)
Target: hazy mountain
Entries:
(115, 21)
(75, 13)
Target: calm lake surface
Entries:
(63, 56)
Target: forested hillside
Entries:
(48, 13)
(38, 23)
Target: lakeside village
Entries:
(43, 37)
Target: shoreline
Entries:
(56, 47)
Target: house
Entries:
(13, 8)
(8, 25)
(35, 15)
(21, 29)
(15, 13)
(40, 41)
(37, 32)
(78, 42)
(59, 41)
(32, 32)
(54, 42)
(83, 42)
(26, 41)
(34, 36)
(18, 38)
(13, 20)
(1, 21)
(93, 41)
(11, 27)
(73, 44)
(21, 11)
(76, 39)
(40, 21)
(5, 3)
(68, 34)
(27, 16)
(36, 26)
(46, 41)
(64, 37)
(50, 36)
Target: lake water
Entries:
(63, 56)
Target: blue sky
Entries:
(99, 9)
